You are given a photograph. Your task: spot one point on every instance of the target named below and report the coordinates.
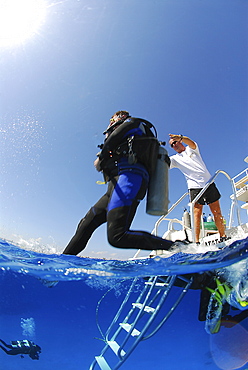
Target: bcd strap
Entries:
(148, 124)
(131, 155)
(165, 157)
(144, 150)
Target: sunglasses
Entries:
(174, 142)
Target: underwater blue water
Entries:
(63, 320)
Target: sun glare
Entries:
(20, 20)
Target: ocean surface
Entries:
(68, 321)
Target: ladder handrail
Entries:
(130, 290)
(151, 319)
(146, 305)
(114, 321)
(158, 222)
(150, 289)
(186, 288)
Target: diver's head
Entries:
(34, 356)
(37, 348)
(118, 118)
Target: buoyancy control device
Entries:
(158, 190)
(147, 150)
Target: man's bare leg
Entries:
(197, 217)
(218, 218)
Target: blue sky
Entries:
(182, 64)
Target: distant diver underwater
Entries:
(22, 347)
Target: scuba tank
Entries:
(157, 197)
(186, 219)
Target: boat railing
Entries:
(240, 183)
(172, 221)
(164, 217)
(240, 179)
(191, 205)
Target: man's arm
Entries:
(184, 139)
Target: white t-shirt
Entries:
(192, 166)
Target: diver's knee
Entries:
(115, 240)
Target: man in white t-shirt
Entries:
(189, 161)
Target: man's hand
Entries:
(176, 137)
(184, 139)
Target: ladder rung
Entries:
(158, 285)
(146, 308)
(115, 347)
(183, 279)
(128, 328)
(102, 363)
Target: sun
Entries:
(20, 20)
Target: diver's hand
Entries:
(97, 164)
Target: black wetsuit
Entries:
(127, 186)
(22, 347)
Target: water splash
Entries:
(21, 142)
(35, 244)
(64, 267)
(237, 277)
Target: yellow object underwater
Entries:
(219, 295)
(221, 292)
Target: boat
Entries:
(209, 234)
(140, 317)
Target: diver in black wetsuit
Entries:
(22, 347)
(126, 160)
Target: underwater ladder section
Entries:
(142, 320)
